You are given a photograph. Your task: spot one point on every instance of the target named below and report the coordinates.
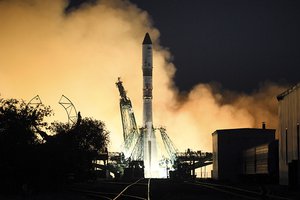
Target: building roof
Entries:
(242, 130)
(288, 91)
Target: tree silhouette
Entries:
(17, 122)
(30, 157)
(79, 145)
(19, 141)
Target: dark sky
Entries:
(239, 43)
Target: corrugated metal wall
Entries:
(289, 118)
(262, 153)
(255, 160)
(215, 172)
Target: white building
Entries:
(288, 131)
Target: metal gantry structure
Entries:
(134, 142)
(133, 136)
(138, 149)
(168, 144)
(130, 131)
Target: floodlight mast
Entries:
(70, 109)
(35, 101)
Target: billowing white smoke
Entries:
(45, 51)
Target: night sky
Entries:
(237, 43)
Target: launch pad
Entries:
(140, 144)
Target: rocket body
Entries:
(147, 82)
(150, 146)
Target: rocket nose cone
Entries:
(147, 39)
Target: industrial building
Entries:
(288, 133)
(228, 148)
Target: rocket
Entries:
(150, 148)
(147, 81)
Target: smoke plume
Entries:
(46, 51)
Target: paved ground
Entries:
(172, 190)
(160, 189)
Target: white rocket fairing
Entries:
(150, 146)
